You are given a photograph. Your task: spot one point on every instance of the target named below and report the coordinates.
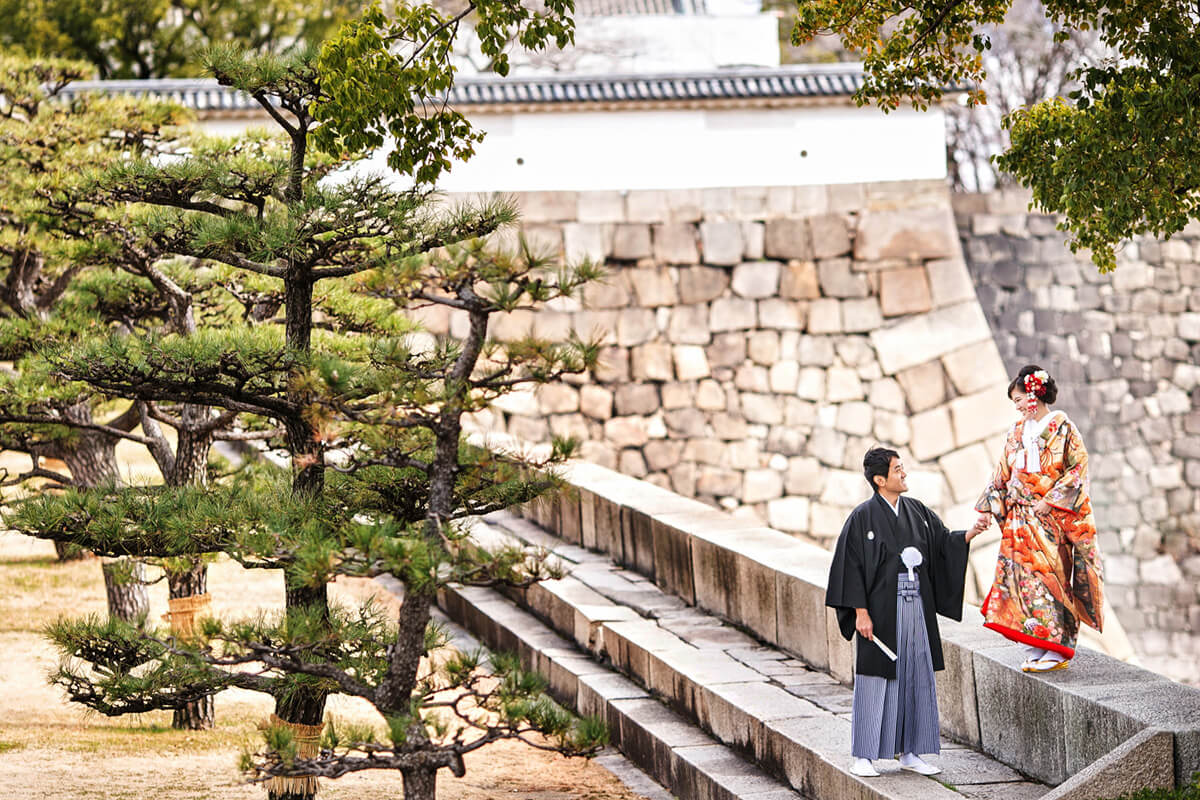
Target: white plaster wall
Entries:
(672, 43)
(681, 149)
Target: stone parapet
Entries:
(770, 584)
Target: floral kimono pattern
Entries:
(1049, 577)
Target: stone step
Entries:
(667, 746)
(758, 701)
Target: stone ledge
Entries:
(756, 577)
(755, 700)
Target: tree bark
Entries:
(125, 585)
(190, 581)
(93, 462)
(420, 784)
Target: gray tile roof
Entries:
(743, 83)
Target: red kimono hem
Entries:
(1024, 638)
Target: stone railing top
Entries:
(1050, 727)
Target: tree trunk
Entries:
(303, 707)
(125, 584)
(93, 462)
(420, 784)
(190, 581)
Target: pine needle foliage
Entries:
(1121, 159)
(305, 273)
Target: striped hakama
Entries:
(899, 715)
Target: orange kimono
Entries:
(1049, 576)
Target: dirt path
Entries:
(53, 749)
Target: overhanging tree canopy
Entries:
(1122, 159)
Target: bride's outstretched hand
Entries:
(981, 525)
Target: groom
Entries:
(895, 567)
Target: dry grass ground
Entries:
(52, 749)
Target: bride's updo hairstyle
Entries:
(1034, 380)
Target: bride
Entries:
(1049, 576)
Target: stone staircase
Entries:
(702, 706)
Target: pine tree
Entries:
(382, 478)
(42, 140)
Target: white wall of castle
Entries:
(688, 149)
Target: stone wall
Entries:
(760, 340)
(1125, 349)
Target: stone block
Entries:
(585, 241)
(721, 243)
(838, 280)
(784, 315)
(861, 315)
(631, 242)
(855, 418)
(611, 291)
(904, 291)
(980, 415)
(761, 408)
(688, 324)
(1145, 760)
(928, 336)
(760, 485)
(735, 713)
(914, 235)
(702, 284)
(636, 400)
(601, 207)
(825, 316)
(932, 434)
(799, 280)
(843, 384)
(800, 592)
(974, 367)
(647, 206)
(756, 279)
(673, 560)
(787, 239)
(686, 205)
(653, 286)
(718, 482)
(595, 401)
(691, 362)
(805, 476)
(596, 691)
(956, 683)
(732, 313)
(1021, 718)
(675, 243)
(714, 772)
(783, 376)
(653, 362)
(714, 570)
(626, 431)
(830, 235)
(967, 471)
(754, 240)
(637, 540)
(548, 206)
(635, 326)
(949, 282)
(789, 514)
(558, 398)
(892, 428)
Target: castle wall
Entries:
(1125, 348)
